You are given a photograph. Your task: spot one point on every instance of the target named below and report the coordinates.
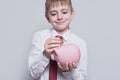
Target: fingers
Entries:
(74, 65)
(61, 67)
(67, 67)
(53, 46)
(54, 40)
(52, 43)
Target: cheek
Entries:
(52, 19)
(68, 16)
(71, 17)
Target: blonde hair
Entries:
(53, 3)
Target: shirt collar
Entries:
(65, 36)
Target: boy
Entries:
(59, 14)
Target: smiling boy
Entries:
(60, 17)
(59, 14)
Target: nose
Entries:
(59, 16)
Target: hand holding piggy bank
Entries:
(66, 53)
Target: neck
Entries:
(62, 31)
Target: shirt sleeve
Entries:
(80, 73)
(37, 62)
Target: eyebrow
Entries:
(56, 11)
(52, 11)
(65, 9)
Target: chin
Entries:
(61, 29)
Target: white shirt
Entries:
(39, 64)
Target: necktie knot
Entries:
(59, 37)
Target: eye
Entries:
(65, 12)
(53, 14)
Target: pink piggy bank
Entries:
(66, 53)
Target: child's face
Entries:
(60, 17)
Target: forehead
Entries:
(58, 5)
(59, 8)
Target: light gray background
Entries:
(97, 21)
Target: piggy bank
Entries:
(66, 53)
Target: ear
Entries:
(47, 18)
(72, 14)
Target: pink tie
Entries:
(53, 67)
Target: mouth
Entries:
(60, 22)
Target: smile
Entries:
(60, 22)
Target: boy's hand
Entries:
(68, 66)
(50, 45)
